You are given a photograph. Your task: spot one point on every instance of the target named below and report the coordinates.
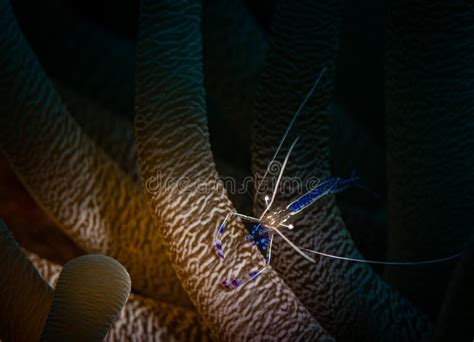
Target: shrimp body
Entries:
(259, 236)
(327, 187)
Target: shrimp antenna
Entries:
(292, 245)
(376, 262)
(279, 178)
(365, 261)
(300, 108)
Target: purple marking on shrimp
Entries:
(221, 228)
(253, 274)
(236, 283)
